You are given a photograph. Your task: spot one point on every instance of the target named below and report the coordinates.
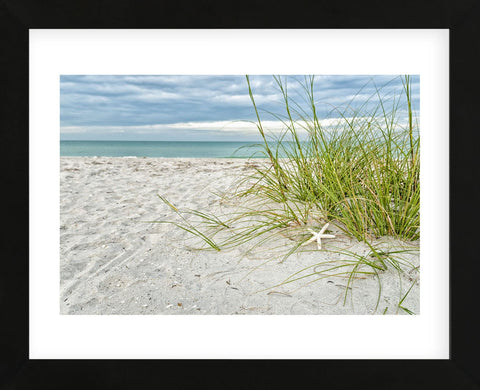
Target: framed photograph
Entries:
(239, 194)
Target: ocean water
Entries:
(160, 149)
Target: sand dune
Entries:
(113, 261)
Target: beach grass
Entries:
(358, 171)
(362, 173)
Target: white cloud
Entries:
(244, 127)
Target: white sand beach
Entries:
(113, 261)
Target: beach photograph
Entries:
(239, 194)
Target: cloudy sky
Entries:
(199, 108)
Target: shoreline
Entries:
(114, 262)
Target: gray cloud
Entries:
(95, 106)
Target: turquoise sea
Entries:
(159, 149)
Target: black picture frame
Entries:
(17, 371)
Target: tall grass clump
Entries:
(361, 171)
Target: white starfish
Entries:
(318, 236)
